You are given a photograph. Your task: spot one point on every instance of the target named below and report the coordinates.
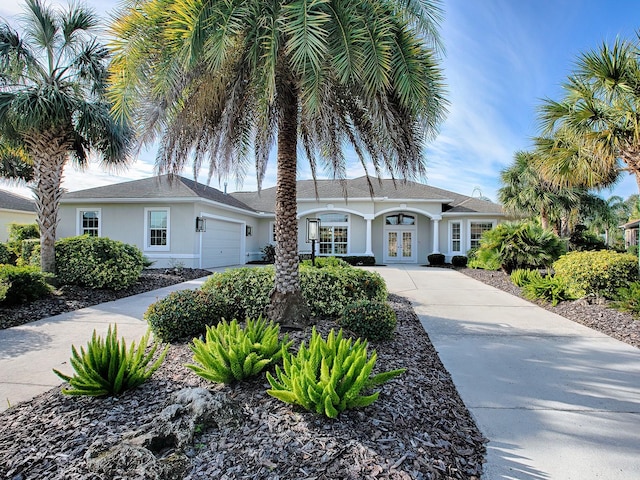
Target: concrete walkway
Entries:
(557, 400)
(28, 353)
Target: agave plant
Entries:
(328, 376)
(231, 353)
(108, 368)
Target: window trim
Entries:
(81, 210)
(147, 228)
(346, 224)
(470, 223)
(460, 238)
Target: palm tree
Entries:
(52, 105)
(593, 133)
(525, 191)
(220, 81)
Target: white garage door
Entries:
(221, 244)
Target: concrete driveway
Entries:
(557, 400)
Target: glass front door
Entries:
(400, 246)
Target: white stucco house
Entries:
(14, 209)
(179, 220)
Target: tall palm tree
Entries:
(593, 134)
(52, 105)
(220, 81)
(525, 191)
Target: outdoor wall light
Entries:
(248, 230)
(201, 224)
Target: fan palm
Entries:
(595, 128)
(221, 81)
(52, 80)
(525, 191)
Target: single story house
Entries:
(14, 209)
(630, 233)
(174, 220)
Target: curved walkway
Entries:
(556, 400)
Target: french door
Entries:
(400, 246)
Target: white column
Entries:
(436, 234)
(368, 250)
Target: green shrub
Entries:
(268, 253)
(627, 299)
(19, 232)
(372, 320)
(633, 250)
(246, 290)
(6, 256)
(327, 290)
(601, 273)
(5, 285)
(459, 261)
(360, 260)
(231, 353)
(30, 252)
(582, 239)
(521, 276)
(551, 289)
(322, 262)
(185, 314)
(435, 259)
(26, 283)
(329, 376)
(485, 259)
(108, 368)
(520, 245)
(97, 262)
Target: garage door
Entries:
(221, 244)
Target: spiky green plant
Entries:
(108, 368)
(628, 299)
(551, 289)
(231, 353)
(522, 276)
(328, 376)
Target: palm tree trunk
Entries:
(49, 151)
(287, 307)
(544, 219)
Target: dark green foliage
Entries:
(600, 273)
(485, 259)
(581, 239)
(268, 253)
(521, 276)
(373, 320)
(360, 260)
(628, 299)
(520, 245)
(633, 250)
(186, 314)
(327, 290)
(30, 252)
(27, 283)
(551, 289)
(19, 232)
(6, 256)
(107, 367)
(459, 261)
(329, 376)
(97, 262)
(435, 259)
(322, 262)
(231, 353)
(146, 262)
(246, 290)
(4, 289)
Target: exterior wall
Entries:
(8, 217)
(465, 233)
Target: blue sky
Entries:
(502, 57)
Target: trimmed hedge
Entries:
(186, 314)
(373, 320)
(322, 262)
(6, 255)
(459, 261)
(435, 259)
(25, 284)
(327, 290)
(30, 252)
(601, 273)
(97, 262)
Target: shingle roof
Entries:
(359, 188)
(11, 201)
(163, 186)
(180, 187)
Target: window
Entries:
(157, 228)
(272, 233)
(455, 237)
(334, 234)
(89, 222)
(400, 219)
(477, 229)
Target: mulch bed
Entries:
(69, 297)
(593, 313)
(418, 429)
